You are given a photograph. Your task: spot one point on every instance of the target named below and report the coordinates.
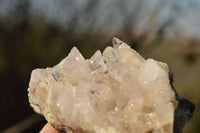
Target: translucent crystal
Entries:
(117, 92)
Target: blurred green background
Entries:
(39, 33)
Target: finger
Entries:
(48, 129)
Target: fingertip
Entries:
(48, 129)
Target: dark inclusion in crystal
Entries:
(183, 112)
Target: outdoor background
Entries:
(39, 33)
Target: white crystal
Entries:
(117, 92)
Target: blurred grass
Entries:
(34, 44)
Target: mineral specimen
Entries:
(114, 92)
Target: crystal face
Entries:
(116, 91)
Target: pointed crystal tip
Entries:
(117, 43)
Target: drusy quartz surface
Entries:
(116, 91)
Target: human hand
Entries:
(48, 129)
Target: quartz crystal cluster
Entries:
(116, 91)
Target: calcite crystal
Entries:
(114, 92)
